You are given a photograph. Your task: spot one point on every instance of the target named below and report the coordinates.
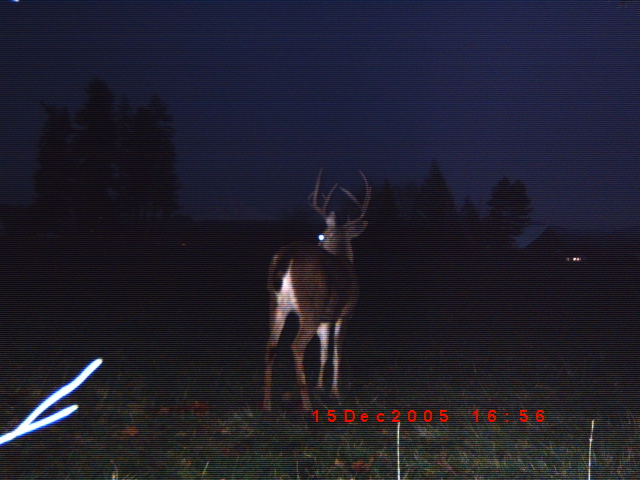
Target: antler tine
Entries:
(367, 197)
(313, 197)
(327, 198)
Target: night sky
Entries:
(264, 94)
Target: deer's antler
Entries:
(313, 197)
(365, 203)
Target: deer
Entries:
(319, 284)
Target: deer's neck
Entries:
(339, 249)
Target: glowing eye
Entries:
(321, 237)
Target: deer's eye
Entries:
(321, 237)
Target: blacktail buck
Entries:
(319, 284)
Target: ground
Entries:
(181, 326)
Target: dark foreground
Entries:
(181, 329)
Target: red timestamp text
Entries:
(350, 416)
(522, 415)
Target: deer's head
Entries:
(336, 238)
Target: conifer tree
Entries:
(111, 162)
(384, 209)
(509, 211)
(468, 211)
(54, 190)
(149, 184)
(165, 191)
(96, 152)
(434, 206)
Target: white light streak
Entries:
(29, 425)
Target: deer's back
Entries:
(323, 283)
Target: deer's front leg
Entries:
(337, 349)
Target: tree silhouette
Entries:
(434, 205)
(108, 164)
(468, 211)
(53, 186)
(384, 209)
(470, 223)
(95, 151)
(147, 178)
(509, 212)
(165, 193)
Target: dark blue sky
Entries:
(264, 94)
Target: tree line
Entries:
(111, 163)
(430, 209)
(105, 162)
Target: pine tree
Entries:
(470, 224)
(124, 186)
(500, 198)
(147, 178)
(111, 163)
(165, 192)
(509, 212)
(384, 209)
(469, 212)
(55, 165)
(96, 152)
(434, 206)
(520, 212)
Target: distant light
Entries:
(321, 237)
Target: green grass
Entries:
(192, 418)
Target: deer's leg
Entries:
(276, 323)
(306, 331)
(337, 349)
(323, 334)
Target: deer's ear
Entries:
(356, 228)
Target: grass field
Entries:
(181, 330)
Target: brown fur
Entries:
(323, 292)
(334, 291)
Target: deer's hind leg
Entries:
(277, 320)
(306, 331)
